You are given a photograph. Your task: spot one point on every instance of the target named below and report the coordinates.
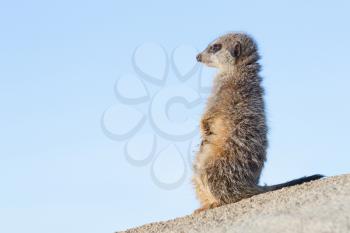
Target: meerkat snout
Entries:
(199, 57)
(210, 55)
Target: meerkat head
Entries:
(229, 50)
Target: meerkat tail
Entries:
(293, 182)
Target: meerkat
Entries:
(233, 128)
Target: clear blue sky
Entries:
(59, 61)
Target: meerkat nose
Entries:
(199, 57)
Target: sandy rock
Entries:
(320, 206)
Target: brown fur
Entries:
(229, 162)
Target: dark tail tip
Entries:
(314, 177)
(296, 182)
(303, 180)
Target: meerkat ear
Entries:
(236, 50)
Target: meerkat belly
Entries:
(214, 135)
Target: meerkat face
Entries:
(219, 54)
(227, 51)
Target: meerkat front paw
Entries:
(205, 128)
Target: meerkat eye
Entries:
(215, 48)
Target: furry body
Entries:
(233, 127)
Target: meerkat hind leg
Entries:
(207, 207)
(205, 197)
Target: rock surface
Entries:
(319, 206)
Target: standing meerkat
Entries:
(233, 127)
